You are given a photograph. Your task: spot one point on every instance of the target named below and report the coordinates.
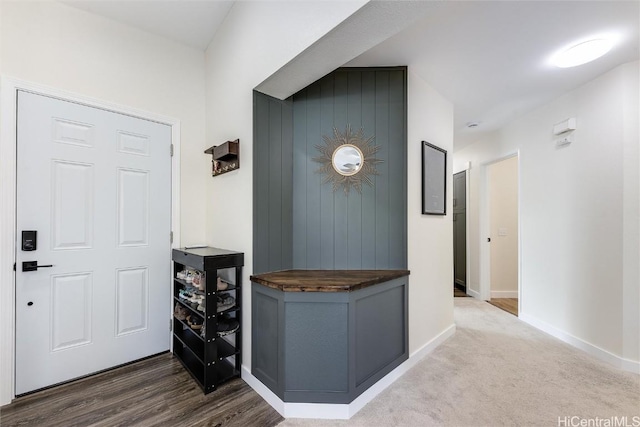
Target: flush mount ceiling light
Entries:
(582, 52)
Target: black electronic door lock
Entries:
(32, 266)
(29, 240)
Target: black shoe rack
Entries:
(212, 356)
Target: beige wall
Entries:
(430, 237)
(502, 180)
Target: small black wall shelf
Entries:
(226, 157)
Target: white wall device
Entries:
(564, 126)
(564, 140)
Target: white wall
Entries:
(631, 216)
(430, 237)
(578, 214)
(56, 45)
(53, 45)
(502, 183)
(256, 39)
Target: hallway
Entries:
(498, 371)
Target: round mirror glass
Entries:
(347, 159)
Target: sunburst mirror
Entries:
(348, 159)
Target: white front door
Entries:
(96, 187)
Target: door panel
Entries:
(460, 243)
(133, 207)
(460, 191)
(132, 304)
(71, 310)
(72, 210)
(96, 185)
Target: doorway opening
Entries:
(460, 234)
(502, 196)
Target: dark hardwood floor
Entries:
(510, 305)
(152, 392)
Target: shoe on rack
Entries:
(195, 322)
(222, 286)
(225, 301)
(180, 312)
(184, 295)
(227, 325)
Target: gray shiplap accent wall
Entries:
(300, 222)
(357, 231)
(272, 184)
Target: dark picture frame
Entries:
(434, 180)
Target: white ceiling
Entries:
(190, 22)
(491, 58)
(488, 57)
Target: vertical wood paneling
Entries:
(312, 199)
(354, 202)
(382, 184)
(340, 213)
(368, 238)
(327, 248)
(300, 161)
(287, 184)
(397, 173)
(300, 222)
(275, 184)
(260, 184)
(272, 184)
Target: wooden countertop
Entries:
(325, 280)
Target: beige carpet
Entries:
(498, 371)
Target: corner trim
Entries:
(597, 352)
(344, 411)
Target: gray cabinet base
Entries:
(328, 347)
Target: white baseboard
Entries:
(420, 353)
(473, 293)
(630, 366)
(599, 353)
(343, 411)
(269, 396)
(504, 294)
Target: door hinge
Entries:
(14, 266)
(171, 150)
(170, 324)
(171, 236)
